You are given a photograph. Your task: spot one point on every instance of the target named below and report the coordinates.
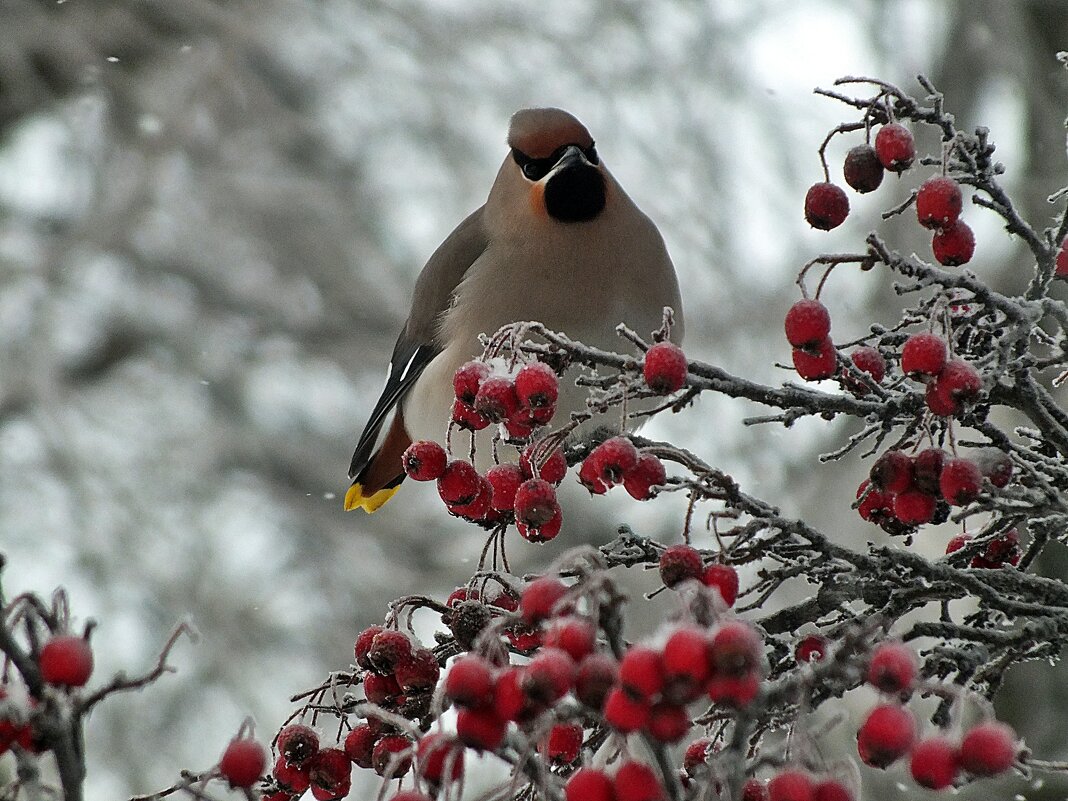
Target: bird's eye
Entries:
(591, 155)
(534, 170)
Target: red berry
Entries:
(467, 418)
(685, 656)
(1061, 267)
(914, 508)
(954, 245)
(469, 682)
(437, 753)
(615, 458)
(893, 667)
(807, 323)
(960, 481)
(410, 795)
(1000, 551)
(537, 387)
(923, 355)
(296, 742)
(792, 785)
(505, 480)
(868, 360)
(958, 382)
(564, 743)
(736, 649)
(363, 645)
(243, 763)
(934, 763)
(424, 460)
(886, 735)
(696, 755)
(419, 674)
(665, 368)
(995, 465)
(549, 676)
(754, 790)
(826, 206)
(497, 400)
(575, 635)
(895, 147)
(545, 532)
(590, 476)
(876, 504)
(294, 778)
(535, 503)
(862, 169)
(988, 749)
(467, 380)
(637, 782)
(388, 649)
(480, 729)
(939, 202)
(624, 712)
(509, 700)
(649, 472)
(67, 661)
(831, 790)
(459, 484)
(811, 649)
(735, 691)
(957, 542)
(380, 689)
(679, 563)
(723, 578)
(596, 675)
(892, 472)
(553, 469)
(359, 745)
(330, 772)
(389, 756)
(589, 784)
(641, 670)
(816, 364)
(927, 469)
(540, 597)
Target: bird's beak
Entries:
(573, 157)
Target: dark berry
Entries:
(296, 742)
(497, 400)
(680, 562)
(862, 169)
(826, 206)
(868, 360)
(892, 472)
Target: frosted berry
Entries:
(807, 323)
(359, 745)
(564, 743)
(939, 202)
(923, 355)
(1000, 551)
(363, 645)
(988, 749)
(895, 147)
(862, 169)
(954, 245)
(649, 472)
(995, 465)
(826, 206)
(886, 735)
(296, 742)
(596, 675)
(637, 782)
(380, 689)
(466, 418)
(589, 784)
(1061, 263)
(811, 649)
(927, 469)
(685, 656)
(505, 480)
(696, 755)
(539, 598)
(957, 542)
(243, 762)
(389, 757)
(549, 676)
(641, 670)
(553, 468)
(293, 778)
(831, 790)
(509, 700)
(543, 533)
(680, 562)
(875, 505)
(477, 507)
(723, 578)
(754, 790)
(892, 472)
(665, 368)
(330, 772)
(893, 667)
(625, 712)
(958, 383)
(577, 636)
(469, 682)
(459, 484)
(535, 503)
(914, 508)
(467, 380)
(480, 729)
(66, 660)
(868, 360)
(668, 722)
(590, 476)
(436, 751)
(791, 785)
(497, 400)
(388, 648)
(424, 460)
(537, 388)
(419, 674)
(818, 363)
(614, 458)
(934, 763)
(960, 481)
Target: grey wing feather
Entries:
(418, 342)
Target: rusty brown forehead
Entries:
(539, 132)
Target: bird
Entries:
(557, 241)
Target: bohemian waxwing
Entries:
(558, 241)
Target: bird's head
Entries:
(553, 160)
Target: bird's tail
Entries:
(379, 479)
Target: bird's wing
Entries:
(418, 342)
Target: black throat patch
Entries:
(575, 194)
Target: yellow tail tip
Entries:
(355, 499)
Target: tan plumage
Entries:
(541, 248)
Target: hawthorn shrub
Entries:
(957, 415)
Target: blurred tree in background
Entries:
(211, 216)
